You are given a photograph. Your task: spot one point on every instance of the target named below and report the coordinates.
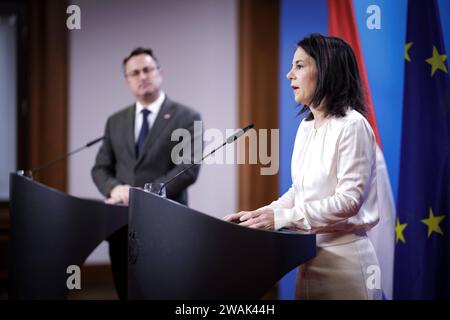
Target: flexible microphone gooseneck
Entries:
(230, 139)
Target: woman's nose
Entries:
(289, 75)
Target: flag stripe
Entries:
(342, 23)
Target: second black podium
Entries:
(174, 252)
(179, 253)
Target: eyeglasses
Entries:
(146, 71)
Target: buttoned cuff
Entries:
(282, 217)
(290, 218)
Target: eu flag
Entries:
(422, 251)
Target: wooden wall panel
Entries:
(258, 91)
(48, 85)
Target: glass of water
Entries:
(156, 187)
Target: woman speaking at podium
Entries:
(333, 169)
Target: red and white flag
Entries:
(342, 23)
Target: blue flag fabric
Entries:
(422, 252)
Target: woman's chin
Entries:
(299, 100)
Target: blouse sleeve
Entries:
(356, 155)
(285, 201)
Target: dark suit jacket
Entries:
(116, 161)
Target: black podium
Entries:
(174, 252)
(179, 253)
(50, 231)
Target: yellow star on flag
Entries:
(407, 47)
(437, 61)
(399, 231)
(433, 223)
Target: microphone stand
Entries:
(230, 139)
(30, 173)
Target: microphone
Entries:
(87, 145)
(230, 139)
(240, 132)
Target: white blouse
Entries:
(333, 172)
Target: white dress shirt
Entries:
(154, 109)
(333, 172)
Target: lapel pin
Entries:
(167, 116)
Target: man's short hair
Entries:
(138, 51)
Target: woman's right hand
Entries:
(262, 218)
(234, 217)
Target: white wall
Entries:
(196, 44)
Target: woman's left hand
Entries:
(258, 219)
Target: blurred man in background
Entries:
(137, 148)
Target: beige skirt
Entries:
(344, 268)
